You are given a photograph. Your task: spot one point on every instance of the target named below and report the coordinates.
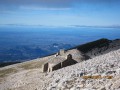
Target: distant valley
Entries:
(23, 53)
(24, 43)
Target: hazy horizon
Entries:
(17, 44)
(35, 28)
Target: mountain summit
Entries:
(92, 66)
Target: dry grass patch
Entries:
(97, 77)
(108, 77)
(86, 77)
(6, 72)
(32, 64)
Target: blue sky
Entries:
(60, 12)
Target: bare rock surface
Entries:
(100, 73)
(111, 46)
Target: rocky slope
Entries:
(99, 47)
(101, 72)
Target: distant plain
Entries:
(26, 43)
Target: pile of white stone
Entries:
(72, 78)
(76, 77)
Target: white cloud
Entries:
(48, 4)
(41, 8)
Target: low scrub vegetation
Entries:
(97, 77)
